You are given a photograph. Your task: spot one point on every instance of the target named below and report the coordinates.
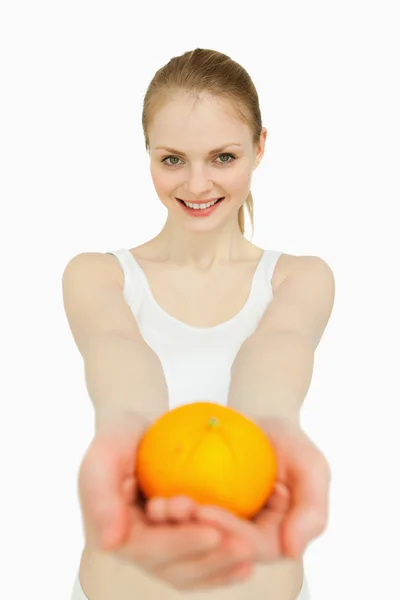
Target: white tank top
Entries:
(196, 360)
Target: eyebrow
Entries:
(214, 151)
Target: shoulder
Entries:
(96, 264)
(303, 300)
(294, 265)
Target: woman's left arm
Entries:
(270, 378)
(272, 371)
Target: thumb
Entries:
(309, 476)
(107, 488)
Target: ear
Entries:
(260, 148)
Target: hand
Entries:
(186, 554)
(297, 510)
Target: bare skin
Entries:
(209, 266)
(102, 575)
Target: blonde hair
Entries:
(211, 72)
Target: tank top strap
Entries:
(269, 260)
(133, 278)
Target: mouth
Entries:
(201, 206)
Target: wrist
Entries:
(276, 420)
(110, 421)
(275, 424)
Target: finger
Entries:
(279, 500)
(156, 546)
(156, 510)
(308, 480)
(176, 509)
(129, 489)
(221, 563)
(230, 523)
(181, 508)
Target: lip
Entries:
(201, 201)
(200, 213)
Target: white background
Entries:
(75, 177)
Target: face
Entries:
(201, 152)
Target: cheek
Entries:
(162, 181)
(240, 180)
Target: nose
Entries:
(199, 183)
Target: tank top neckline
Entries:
(186, 326)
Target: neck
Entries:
(202, 249)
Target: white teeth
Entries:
(199, 206)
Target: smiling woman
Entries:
(181, 126)
(198, 313)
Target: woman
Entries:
(198, 313)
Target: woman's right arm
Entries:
(127, 386)
(123, 374)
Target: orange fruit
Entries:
(211, 453)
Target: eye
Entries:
(168, 164)
(232, 156)
(224, 162)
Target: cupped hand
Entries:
(179, 549)
(297, 510)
